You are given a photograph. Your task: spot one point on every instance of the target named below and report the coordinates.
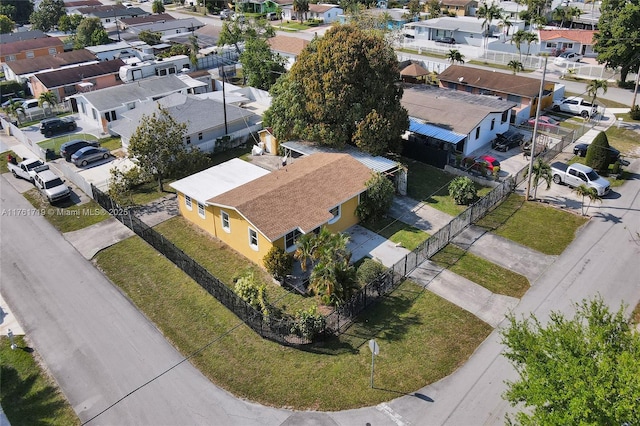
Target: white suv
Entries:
(51, 186)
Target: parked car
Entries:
(486, 162)
(446, 40)
(544, 122)
(89, 154)
(67, 149)
(576, 105)
(27, 168)
(271, 16)
(225, 14)
(30, 107)
(578, 174)
(507, 140)
(8, 101)
(51, 186)
(581, 151)
(50, 126)
(567, 57)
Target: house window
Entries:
(52, 51)
(225, 221)
(253, 239)
(30, 54)
(187, 202)
(178, 31)
(9, 58)
(478, 132)
(70, 90)
(200, 136)
(94, 113)
(551, 45)
(505, 115)
(82, 108)
(336, 214)
(568, 45)
(188, 140)
(110, 116)
(493, 123)
(290, 239)
(201, 209)
(107, 20)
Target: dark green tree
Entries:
(463, 190)
(617, 41)
(90, 32)
(598, 153)
(157, 6)
(326, 97)
(375, 203)
(278, 263)
(150, 37)
(6, 24)
(301, 7)
(18, 11)
(260, 65)
(579, 371)
(8, 10)
(434, 8)
(47, 15)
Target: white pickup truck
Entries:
(578, 174)
(576, 105)
(27, 168)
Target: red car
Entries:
(489, 163)
(544, 122)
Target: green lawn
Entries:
(625, 140)
(399, 232)
(538, 226)
(4, 161)
(226, 264)
(422, 338)
(489, 275)
(65, 216)
(28, 395)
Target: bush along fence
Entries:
(287, 330)
(279, 330)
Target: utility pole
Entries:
(535, 128)
(224, 102)
(635, 91)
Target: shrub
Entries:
(278, 263)
(598, 153)
(462, 190)
(635, 112)
(247, 289)
(308, 323)
(369, 270)
(377, 200)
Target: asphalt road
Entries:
(95, 342)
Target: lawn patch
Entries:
(482, 272)
(66, 216)
(399, 232)
(28, 395)
(55, 143)
(3, 160)
(627, 141)
(535, 225)
(422, 338)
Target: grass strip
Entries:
(397, 231)
(482, 272)
(534, 225)
(28, 395)
(422, 339)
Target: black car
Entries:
(507, 140)
(581, 151)
(57, 125)
(67, 149)
(446, 40)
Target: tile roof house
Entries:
(69, 81)
(557, 41)
(515, 88)
(456, 121)
(274, 209)
(204, 118)
(459, 7)
(22, 69)
(288, 47)
(31, 48)
(167, 28)
(328, 13)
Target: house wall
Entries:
(99, 82)
(486, 133)
(347, 216)
(33, 53)
(206, 223)
(559, 45)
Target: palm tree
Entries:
(300, 7)
(194, 48)
(157, 6)
(517, 39)
(488, 14)
(15, 108)
(530, 38)
(559, 14)
(305, 249)
(505, 22)
(454, 55)
(48, 98)
(279, 13)
(585, 191)
(594, 86)
(540, 170)
(515, 66)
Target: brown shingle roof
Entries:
(459, 3)
(73, 75)
(321, 8)
(23, 45)
(491, 80)
(299, 195)
(584, 37)
(286, 44)
(26, 66)
(414, 70)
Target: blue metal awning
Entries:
(434, 131)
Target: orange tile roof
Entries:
(286, 44)
(414, 70)
(299, 195)
(584, 37)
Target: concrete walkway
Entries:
(418, 214)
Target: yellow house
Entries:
(273, 209)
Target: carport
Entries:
(432, 144)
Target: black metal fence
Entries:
(278, 330)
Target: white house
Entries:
(287, 47)
(464, 29)
(168, 28)
(326, 12)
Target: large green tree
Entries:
(261, 67)
(17, 10)
(157, 6)
(70, 23)
(341, 82)
(579, 371)
(150, 37)
(47, 15)
(6, 24)
(90, 32)
(617, 41)
(157, 146)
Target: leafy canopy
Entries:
(584, 370)
(260, 65)
(47, 15)
(6, 24)
(598, 153)
(377, 200)
(90, 32)
(340, 86)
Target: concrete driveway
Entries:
(365, 243)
